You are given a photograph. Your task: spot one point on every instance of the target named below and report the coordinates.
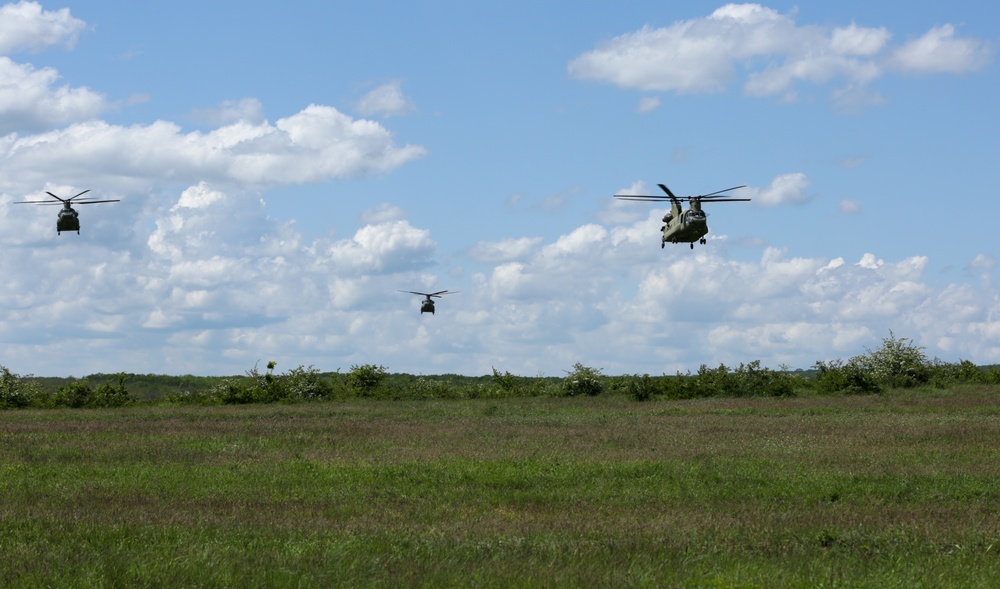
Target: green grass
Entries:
(899, 490)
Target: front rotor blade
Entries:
(81, 194)
(727, 200)
(90, 202)
(721, 191)
(641, 197)
(54, 196)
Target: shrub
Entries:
(944, 374)
(640, 388)
(898, 363)
(79, 394)
(235, 391)
(680, 386)
(752, 381)
(305, 384)
(365, 379)
(298, 384)
(114, 395)
(748, 380)
(506, 382)
(848, 379)
(583, 381)
(16, 393)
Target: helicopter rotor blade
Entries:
(76, 195)
(642, 197)
(56, 197)
(711, 194)
(90, 202)
(664, 188)
(437, 294)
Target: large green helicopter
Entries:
(427, 305)
(684, 226)
(68, 219)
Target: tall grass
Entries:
(867, 491)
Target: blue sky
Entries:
(284, 170)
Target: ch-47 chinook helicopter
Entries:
(685, 226)
(68, 219)
(427, 305)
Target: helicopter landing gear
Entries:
(692, 245)
(663, 244)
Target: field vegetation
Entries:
(896, 364)
(853, 474)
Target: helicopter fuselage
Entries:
(427, 306)
(684, 226)
(68, 220)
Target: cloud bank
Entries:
(191, 273)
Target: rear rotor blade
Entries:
(76, 195)
(54, 196)
(90, 202)
(667, 190)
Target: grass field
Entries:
(897, 490)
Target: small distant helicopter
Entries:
(427, 305)
(68, 219)
(685, 226)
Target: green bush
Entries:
(296, 385)
(506, 382)
(898, 363)
(583, 381)
(79, 394)
(944, 374)
(836, 377)
(365, 379)
(747, 380)
(756, 381)
(306, 384)
(16, 392)
(641, 388)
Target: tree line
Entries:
(897, 364)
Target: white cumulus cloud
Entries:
(784, 189)
(30, 100)
(25, 25)
(939, 50)
(776, 54)
(315, 144)
(386, 100)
